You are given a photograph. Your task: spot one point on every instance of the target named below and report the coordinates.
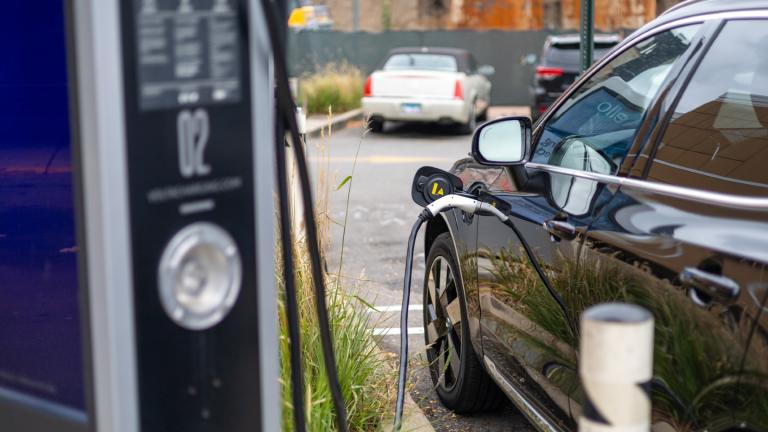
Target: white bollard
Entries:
(297, 208)
(616, 368)
(301, 121)
(293, 84)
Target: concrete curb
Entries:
(315, 125)
(414, 419)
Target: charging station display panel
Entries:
(41, 344)
(190, 167)
(188, 53)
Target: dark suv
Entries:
(559, 66)
(645, 183)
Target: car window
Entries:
(418, 61)
(472, 63)
(604, 114)
(718, 137)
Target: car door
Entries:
(529, 333)
(699, 262)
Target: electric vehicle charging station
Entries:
(170, 107)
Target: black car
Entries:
(559, 66)
(645, 183)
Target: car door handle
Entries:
(560, 229)
(707, 287)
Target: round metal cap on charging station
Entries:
(199, 276)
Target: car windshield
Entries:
(420, 61)
(567, 54)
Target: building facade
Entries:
(385, 15)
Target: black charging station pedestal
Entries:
(171, 108)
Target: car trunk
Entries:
(415, 84)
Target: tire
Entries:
(483, 117)
(471, 124)
(467, 388)
(376, 125)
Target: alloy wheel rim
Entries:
(442, 322)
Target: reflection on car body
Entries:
(559, 66)
(665, 112)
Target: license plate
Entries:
(411, 108)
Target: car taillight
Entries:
(542, 109)
(368, 87)
(548, 73)
(458, 91)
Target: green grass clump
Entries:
(335, 88)
(366, 376)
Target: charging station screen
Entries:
(41, 361)
(188, 52)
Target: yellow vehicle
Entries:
(310, 18)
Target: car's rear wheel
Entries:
(471, 124)
(460, 380)
(376, 125)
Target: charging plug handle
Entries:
(466, 204)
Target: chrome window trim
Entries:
(686, 193)
(711, 175)
(633, 39)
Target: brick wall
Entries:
(381, 15)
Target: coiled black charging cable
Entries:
(287, 110)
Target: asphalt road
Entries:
(379, 214)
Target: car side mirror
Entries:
(504, 141)
(486, 70)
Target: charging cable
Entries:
(471, 206)
(287, 110)
(464, 203)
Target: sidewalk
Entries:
(507, 111)
(317, 123)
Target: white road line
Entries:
(394, 331)
(395, 308)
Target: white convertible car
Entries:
(428, 85)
